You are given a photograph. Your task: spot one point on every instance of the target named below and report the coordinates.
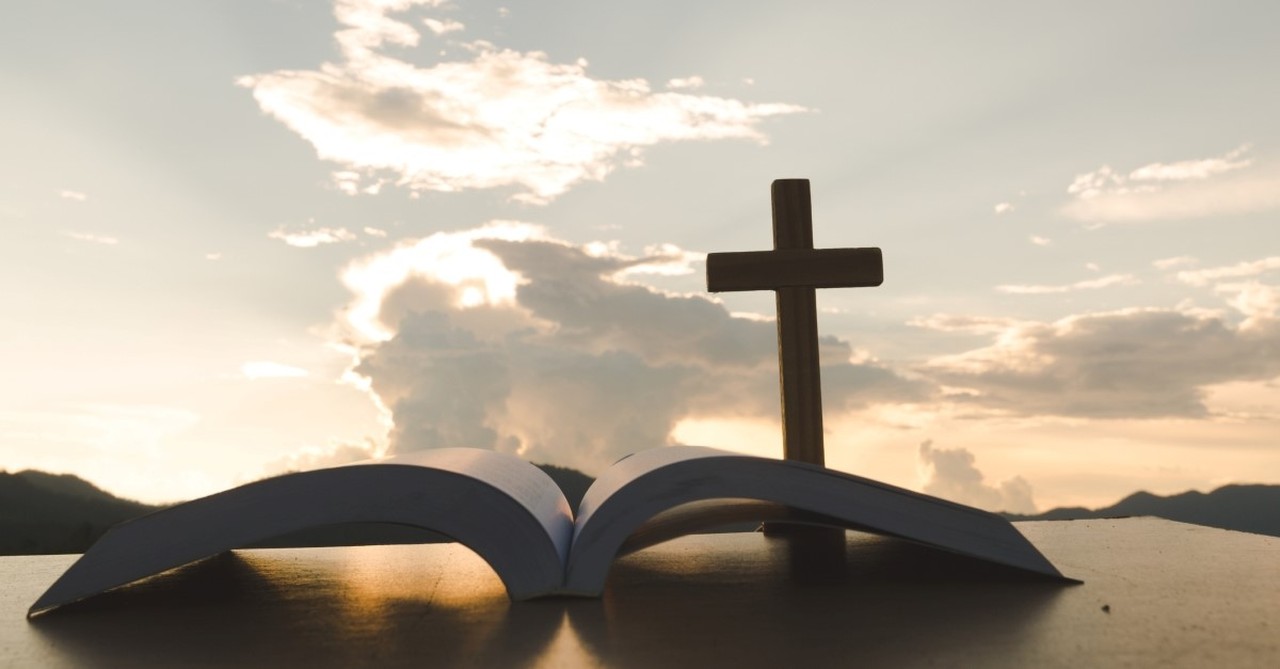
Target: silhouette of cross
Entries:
(794, 269)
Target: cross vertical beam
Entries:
(799, 375)
(794, 269)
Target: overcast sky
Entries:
(244, 237)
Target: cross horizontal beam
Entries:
(794, 268)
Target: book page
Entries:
(519, 480)
(630, 468)
(647, 484)
(506, 510)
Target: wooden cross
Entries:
(794, 269)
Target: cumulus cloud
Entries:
(1241, 287)
(1039, 241)
(1178, 190)
(73, 195)
(1003, 208)
(1132, 363)
(501, 118)
(505, 338)
(951, 474)
(1088, 284)
(312, 238)
(1260, 303)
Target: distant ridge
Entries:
(42, 513)
(1244, 508)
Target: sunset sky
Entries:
(246, 237)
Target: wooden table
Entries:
(1156, 593)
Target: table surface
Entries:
(1155, 593)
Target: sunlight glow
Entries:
(263, 369)
(446, 257)
(762, 438)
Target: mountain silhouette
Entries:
(44, 513)
(1244, 508)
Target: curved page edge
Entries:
(523, 534)
(651, 482)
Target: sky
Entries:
(247, 237)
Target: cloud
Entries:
(505, 338)
(1088, 284)
(1170, 263)
(1259, 303)
(73, 195)
(1039, 241)
(312, 238)
(1003, 208)
(375, 232)
(1092, 184)
(1169, 191)
(1132, 363)
(351, 183)
(89, 237)
(1186, 170)
(1202, 200)
(1204, 277)
(951, 474)
(214, 256)
(965, 324)
(503, 118)
(686, 83)
(442, 27)
(664, 260)
(270, 370)
(368, 24)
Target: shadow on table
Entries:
(706, 600)
(890, 603)
(243, 610)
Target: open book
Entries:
(515, 517)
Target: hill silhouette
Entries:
(44, 513)
(1244, 508)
